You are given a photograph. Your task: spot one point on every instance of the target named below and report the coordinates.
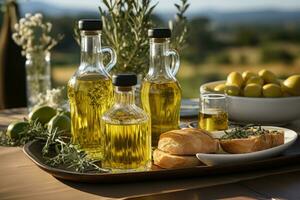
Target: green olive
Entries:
(268, 76)
(247, 74)
(232, 90)
(292, 85)
(255, 79)
(252, 90)
(220, 88)
(272, 90)
(235, 78)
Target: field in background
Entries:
(191, 76)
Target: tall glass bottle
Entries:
(126, 130)
(90, 90)
(161, 92)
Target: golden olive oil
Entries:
(213, 120)
(162, 101)
(90, 96)
(127, 147)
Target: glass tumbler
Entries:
(213, 114)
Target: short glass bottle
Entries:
(126, 130)
(161, 92)
(90, 90)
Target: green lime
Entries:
(42, 114)
(61, 122)
(15, 129)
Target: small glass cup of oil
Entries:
(213, 114)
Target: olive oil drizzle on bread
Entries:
(247, 131)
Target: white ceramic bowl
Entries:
(262, 110)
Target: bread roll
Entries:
(252, 144)
(187, 142)
(167, 161)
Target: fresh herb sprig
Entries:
(179, 26)
(125, 27)
(34, 130)
(66, 154)
(57, 151)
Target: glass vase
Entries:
(38, 76)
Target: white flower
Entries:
(16, 26)
(27, 15)
(39, 16)
(49, 26)
(171, 24)
(53, 98)
(32, 34)
(22, 20)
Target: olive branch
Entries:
(125, 28)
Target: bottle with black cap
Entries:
(126, 130)
(90, 90)
(160, 91)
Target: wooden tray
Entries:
(289, 157)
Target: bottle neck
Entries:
(159, 61)
(91, 48)
(124, 95)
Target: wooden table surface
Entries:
(21, 179)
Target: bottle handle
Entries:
(175, 61)
(113, 57)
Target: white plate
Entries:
(290, 137)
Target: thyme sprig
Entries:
(57, 151)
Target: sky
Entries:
(196, 5)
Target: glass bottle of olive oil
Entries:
(90, 90)
(126, 130)
(161, 92)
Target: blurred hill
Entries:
(257, 17)
(52, 10)
(220, 17)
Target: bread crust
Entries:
(187, 142)
(252, 144)
(168, 161)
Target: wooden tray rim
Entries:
(146, 175)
